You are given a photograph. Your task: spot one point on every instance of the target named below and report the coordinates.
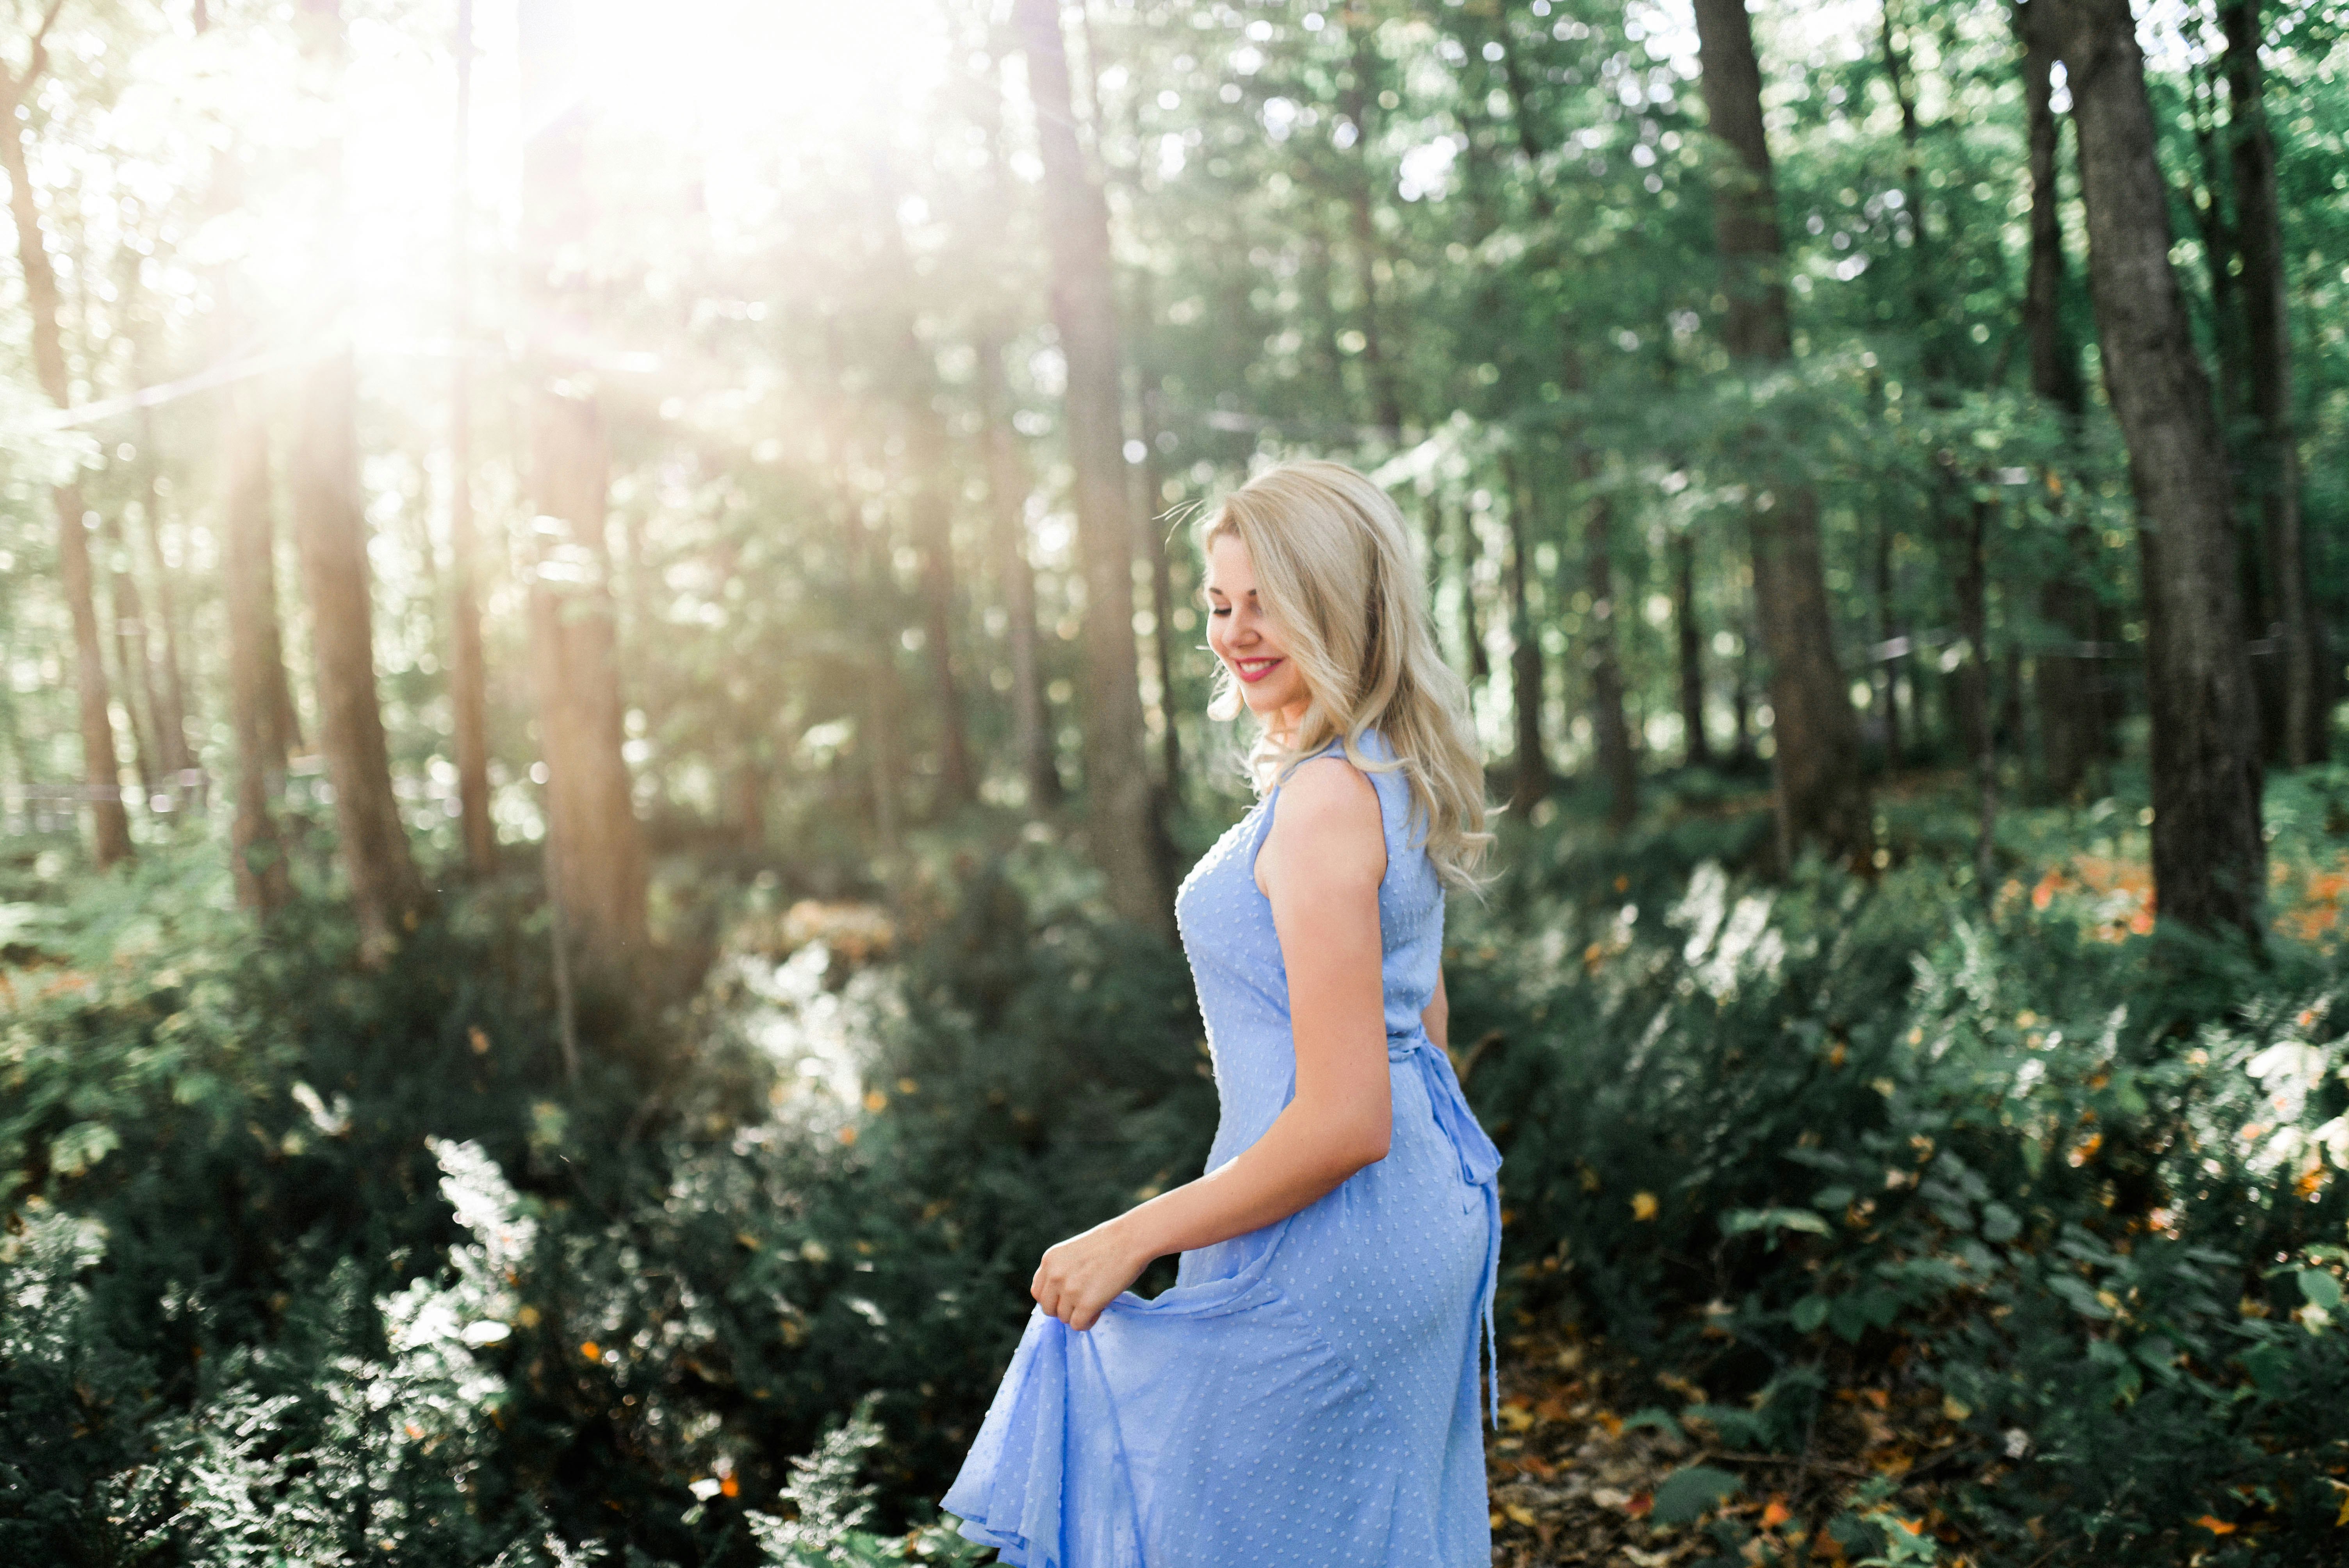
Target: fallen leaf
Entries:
(1777, 1512)
(2215, 1526)
(1643, 1205)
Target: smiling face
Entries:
(1243, 637)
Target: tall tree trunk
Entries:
(130, 616)
(468, 668)
(330, 526)
(1084, 308)
(596, 849)
(1153, 514)
(1970, 586)
(101, 771)
(2274, 467)
(932, 515)
(1887, 666)
(1355, 99)
(2208, 858)
(2075, 721)
(330, 530)
(1008, 489)
(1534, 779)
(1698, 750)
(1472, 628)
(256, 674)
(1821, 796)
(166, 678)
(1617, 762)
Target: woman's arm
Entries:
(1323, 861)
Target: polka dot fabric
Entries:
(1305, 1395)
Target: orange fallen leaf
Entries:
(2215, 1526)
(1639, 1504)
(1777, 1513)
(593, 1351)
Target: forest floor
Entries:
(1573, 1477)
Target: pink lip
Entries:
(1262, 671)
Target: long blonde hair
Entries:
(1336, 574)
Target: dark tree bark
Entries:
(1887, 667)
(256, 672)
(101, 769)
(1697, 747)
(2208, 858)
(2074, 717)
(129, 617)
(1008, 487)
(1618, 763)
(1118, 789)
(1821, 796)
(596, 849)
(2274, 464)
(1472, 549)
(1970, 588)
(1526, 673)
(468, 668)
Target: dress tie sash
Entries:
(1479, 1165)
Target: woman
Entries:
(1306, 1394)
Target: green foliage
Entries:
(312, 1263)
(2083, 1194)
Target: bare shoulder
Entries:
(1326, 827)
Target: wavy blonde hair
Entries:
(1336, 574)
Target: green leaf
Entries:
(1653, 1416)
(1738, 1221)
(83, 1145)
(1808, 1313)
(1688, 1493)
(2270, 1367)
(2322, 1289)
(2000, 1224)
(1832, 1199)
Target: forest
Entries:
(606, 692)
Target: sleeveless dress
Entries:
(1305, 1395)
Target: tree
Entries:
(330, 530)
(2267, 337)
(1529, 678)
(468, 674)
(597, 868)
(101, 771)
(2073, 725)
(1821, 797)
(257, 671)
(2208, 857)
(1084, 309)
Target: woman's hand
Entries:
(1085, 1273)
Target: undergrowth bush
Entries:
(304, 1262)
(2070, 1201)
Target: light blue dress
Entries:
(1306, 1394)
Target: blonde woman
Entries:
(1306, 1393)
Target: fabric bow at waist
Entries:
(1479, 1165)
